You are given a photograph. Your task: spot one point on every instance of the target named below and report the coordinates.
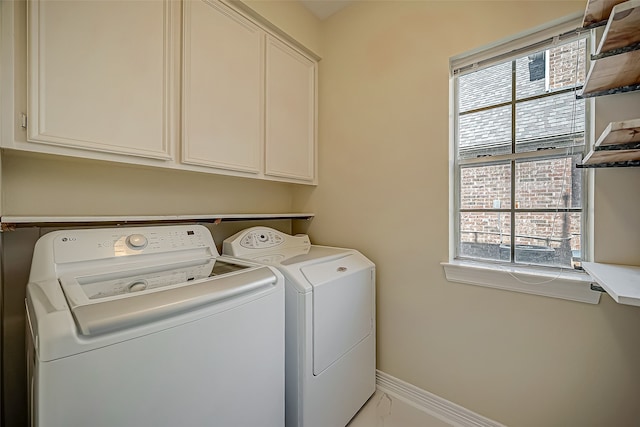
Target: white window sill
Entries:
(564, 284)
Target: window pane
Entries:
(551, 239)
(557, 68)
(531, 75)
(484, 235)
(575, 233)
(567, 65)
(549, 184)
(555, 121)
(486, 87)
(485, 132)
(485, 187)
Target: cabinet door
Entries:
(290, 113)
(101, 75)
(222, 88)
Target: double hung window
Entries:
(519, 131)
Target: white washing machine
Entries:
(330, 324)
(148, 326)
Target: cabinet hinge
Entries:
(23, 120)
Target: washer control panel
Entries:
(262, 239)
(94, 244)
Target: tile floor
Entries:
(386, 410)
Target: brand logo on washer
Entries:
(68, 239)
(341, 269)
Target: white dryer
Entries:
(148, 326)
(330, 324)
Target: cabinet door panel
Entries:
(290, 113)
(101, 76)
(222, 88)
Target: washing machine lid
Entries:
(343, 306)
(112, 299)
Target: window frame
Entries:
(558, 282)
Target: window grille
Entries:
(518, 133)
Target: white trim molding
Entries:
(561, 283)
(435, 406)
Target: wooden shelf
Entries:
(613, 74)
(616, 65)
(611, 158)
(623, 27)
(619, 145)
(620, 133)
(615, 68)
(597, 12)
(622, 282)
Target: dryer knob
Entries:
(136, 241)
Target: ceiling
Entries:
(325, 8)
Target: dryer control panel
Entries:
(257, 239)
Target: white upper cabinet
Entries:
(197, 85)
(290, 113)
(101, 76)
(222, 88)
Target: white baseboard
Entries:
(434, 405)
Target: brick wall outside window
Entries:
(556, 121)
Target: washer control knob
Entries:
(136, 241)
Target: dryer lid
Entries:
(316, 253)
(344, 263)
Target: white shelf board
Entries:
(622, 282)
(564, 283)
(148, 218)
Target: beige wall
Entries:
(52, 185)
(520, 359)
(292, 18)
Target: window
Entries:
(519, 214)
(519, 131)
